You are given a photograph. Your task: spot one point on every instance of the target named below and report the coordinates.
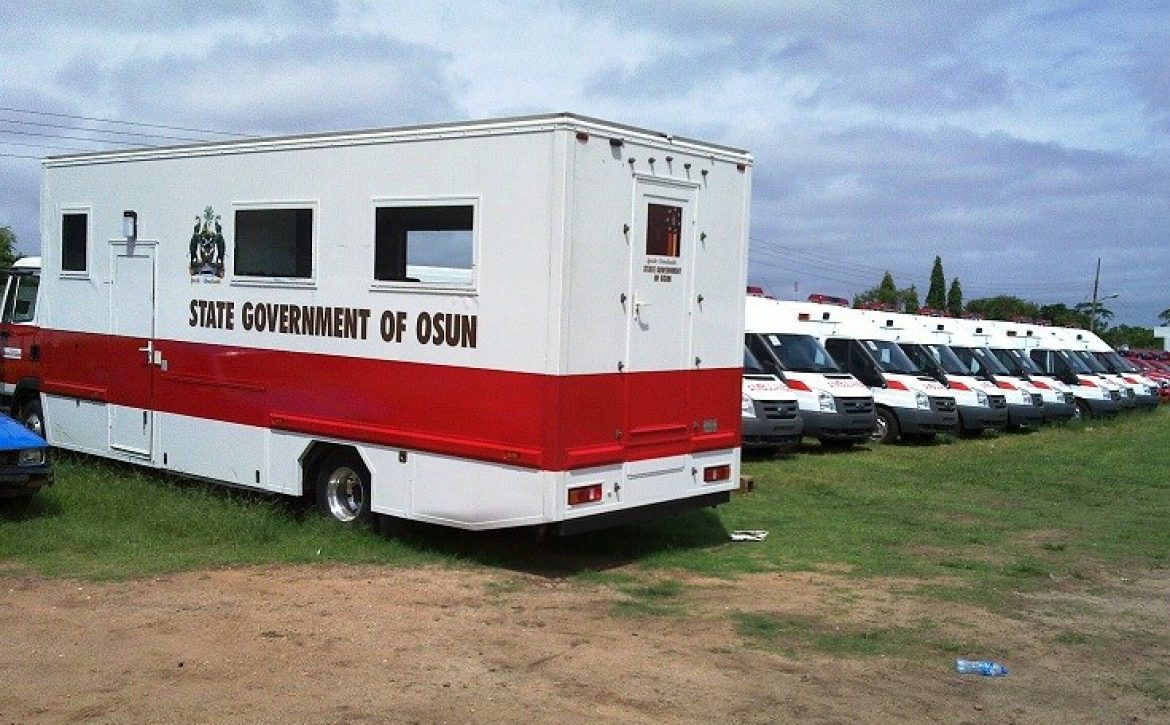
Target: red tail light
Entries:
(585, 494)
(711, 474)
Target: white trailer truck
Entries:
(528, 321)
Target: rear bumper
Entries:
(641, 513)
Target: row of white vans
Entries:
(846, 376)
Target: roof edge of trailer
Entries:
(357, 137)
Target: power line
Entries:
(74, 138)
(42, 124)
(125, 123)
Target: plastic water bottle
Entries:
(986, 668)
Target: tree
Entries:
(955, 298)
(1003, 307)
(1164, 316)
(1064, 316)
(1129, 336)
(936, 295)
(1098, 321)
(908, 299)
(8, 253)
(886, 293)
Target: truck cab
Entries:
(20, 339)
(770, 420)
(836, 408)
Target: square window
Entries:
(663, 230)
(431, 245)
(74, 242)
(274, 243)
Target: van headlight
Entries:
(747, 406)
(981, 398)
(922, 400)
(31, 457)
(826, 402)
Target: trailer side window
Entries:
(74, 242)
(274, 243)
(431, 245)
(663, 230)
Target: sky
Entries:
(1020, 142)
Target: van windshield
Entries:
(750, 363)
(800, 353)
(1015, 362)
(947, 360)
(1090, 362)
(890, 357)
(980, 361)
(1076, 363)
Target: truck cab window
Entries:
(20, 305)
(274, 243)
(431, 245)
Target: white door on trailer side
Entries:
(132, 316)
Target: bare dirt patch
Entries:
(365, 644)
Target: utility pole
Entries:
(1093, 309)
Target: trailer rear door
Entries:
(662, 259)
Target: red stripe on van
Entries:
(544, 422)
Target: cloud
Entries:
(292, 84)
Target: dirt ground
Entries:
(366, 644)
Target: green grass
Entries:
(1011, 513)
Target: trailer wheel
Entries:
(33, 417)
(886, 430)
(343, 488)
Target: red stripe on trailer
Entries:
(544, 422)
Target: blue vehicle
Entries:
(24, 463)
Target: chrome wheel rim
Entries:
(345, 494)
(881, 430)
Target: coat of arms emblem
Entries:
(207, 246)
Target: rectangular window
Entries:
(432, 245)
(74, 242)
(274, 243)
(663, 230)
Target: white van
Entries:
(908, 404)
(1025, 401)
(1094, 395)
(771, 420)
(981, 404)
(1059, 401)
(1107, 363)
(835, 407)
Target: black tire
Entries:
(1083, 412)
(887, 429)
(32, 417)
(343, 488)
